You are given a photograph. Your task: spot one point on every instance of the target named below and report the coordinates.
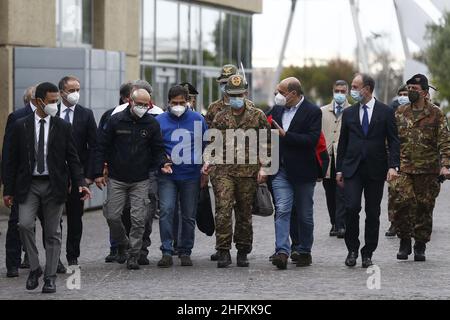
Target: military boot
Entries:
(241, 260)
(419, 251)
(405, 249)
(224, 259)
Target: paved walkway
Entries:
(328, 278)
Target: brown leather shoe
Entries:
(304, 260)
(280, 260)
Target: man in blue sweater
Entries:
(182, 131)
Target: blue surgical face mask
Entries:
(403, 100)
(340, 98)
(236, 102)
(356, 95)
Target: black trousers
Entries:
(335, 198)
(373, 194)
(74, 212)
(13, 244)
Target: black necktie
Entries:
(40, 156)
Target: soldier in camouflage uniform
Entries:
(402, 94)
(235, 184)
(424, 155)
(214, 108)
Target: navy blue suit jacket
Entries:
(354, 145)
(298, 147)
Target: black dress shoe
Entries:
(366, 262)
(295, 256)
(49, 285)
(333, 231)
(72, 262)
(25, 263)
(61, 269)
(351, 259)
(280, 261)
(304, 260)
(215, 256)
(341, 233)
(33, 279)
(12, 273)
(112, 256)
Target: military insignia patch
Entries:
(236, 81)
(227, 70)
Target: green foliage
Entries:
(438, 56)
(318, 80)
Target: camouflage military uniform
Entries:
(425, 148)
(235, 184)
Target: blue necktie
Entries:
(67, 117)
(338, 110)
(365, 121)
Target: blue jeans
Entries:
(188, 192)
(286, 194)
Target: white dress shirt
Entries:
(37, 125)
(62, 113)
(33, 107)
(288, 115)
(370, 106)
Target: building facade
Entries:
(106, 42)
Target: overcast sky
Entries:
(322, 29)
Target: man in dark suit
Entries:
(13, 245)
(364, 163)
(41, 159)
(299, 123)
(84, 131)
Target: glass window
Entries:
(167, 31)
(74, 22)
(245, 35)
(148, 30)
(211, 37)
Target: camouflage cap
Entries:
(236, 85)
(227, 71)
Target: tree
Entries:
(438, 56)
(318, 81)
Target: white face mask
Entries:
(140, 111)
(280, 100)
(178, 110)
(51, 109)
(73, 98)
